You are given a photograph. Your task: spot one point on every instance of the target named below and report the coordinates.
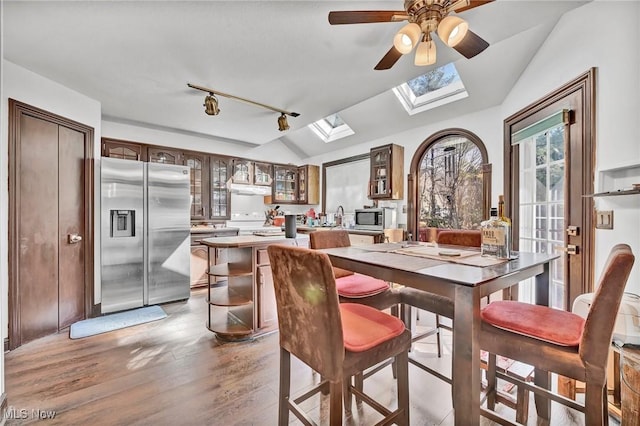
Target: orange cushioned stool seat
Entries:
(550, 325)
(364, 327)
(358, 285)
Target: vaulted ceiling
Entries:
(136, 58)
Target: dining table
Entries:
(465, 278)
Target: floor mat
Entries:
(106, 323)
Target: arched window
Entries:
(449, 184)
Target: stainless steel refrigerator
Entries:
(145, 230)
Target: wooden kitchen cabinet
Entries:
(267, 310)
(199, 266)
(285, 184)
(262, 173)
(114, 148)
(220, 197)
(164, 155)
(296, 185)
(308, 184)
(198, 184)
(242, 171)
(386, 180)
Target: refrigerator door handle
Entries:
(74, 238)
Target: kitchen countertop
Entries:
(307, 229)
(211, 230)
(248, 240)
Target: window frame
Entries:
(412, 209)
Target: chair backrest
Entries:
(598, 328)
(460, 237)
(331, 239)
(308, 311)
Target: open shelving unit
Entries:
(230, 310)
(619, 180)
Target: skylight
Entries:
(331, 128)
(433, 89)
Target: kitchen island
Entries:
(243, 306)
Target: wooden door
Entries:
(551, 144)
(50, 223)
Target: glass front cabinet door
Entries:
(220, 195)
(242, 171)
(386, 180)
(197, 171)
(262, 173)
(285, 184)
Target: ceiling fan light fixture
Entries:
(211, 105)
(425, 53)
(282, 123)
(452, 30)
(407, 38)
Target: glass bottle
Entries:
(489, 245)
(507, 221)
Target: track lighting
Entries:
(211, 105)
(282, 123)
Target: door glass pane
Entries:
(542, 227)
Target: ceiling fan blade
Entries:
(366, 16)
(471, 45)
(389, 59)
(472, 4)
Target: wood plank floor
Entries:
(174, 371)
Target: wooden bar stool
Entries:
(558, 341)
(338, 340)
(352, 287)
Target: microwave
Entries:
(371, 219)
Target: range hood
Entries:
(243, 189)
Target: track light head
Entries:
(211, 105)
(282, 123)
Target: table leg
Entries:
(466, 356)
(543, 378)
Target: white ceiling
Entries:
(136, 58)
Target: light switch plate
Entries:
(604, 219)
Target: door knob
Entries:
(74, 238)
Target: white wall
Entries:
(571, 49)
(486, 124)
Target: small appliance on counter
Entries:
(627, 328)
(374, 219)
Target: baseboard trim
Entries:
(6, 344)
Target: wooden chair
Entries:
(357, 288)
(338, 340)
(558, 341)
(352, 287)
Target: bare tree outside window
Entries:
(450, 185)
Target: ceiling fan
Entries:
(425, 17)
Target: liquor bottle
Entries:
(494, 236)
(506, 220)
(489, 246)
